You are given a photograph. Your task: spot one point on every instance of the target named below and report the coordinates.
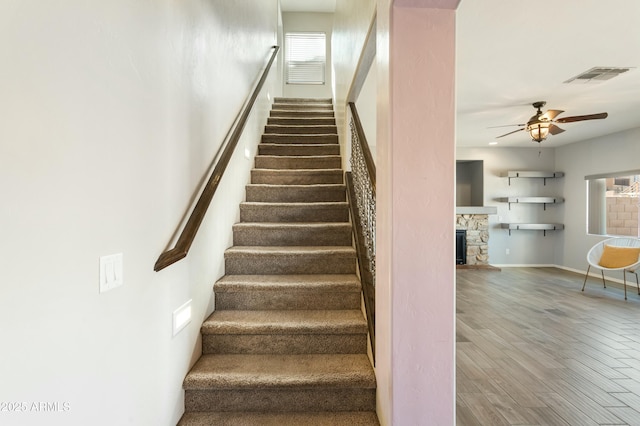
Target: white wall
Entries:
(310, 22)
(111, 113)
(617, 152)
(525, 247)
(351, 25)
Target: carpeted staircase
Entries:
(287, 342)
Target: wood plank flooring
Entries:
(532, 349)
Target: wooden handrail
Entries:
(366, 152)
(188, 234)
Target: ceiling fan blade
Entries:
(506, 125)
(507, 134)
(554, 130)
(582, 118)
(550, 114)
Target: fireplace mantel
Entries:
(477, 210)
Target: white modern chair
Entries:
(595, 256)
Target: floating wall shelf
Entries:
(533, 200)
(544, 227)
(533, 174)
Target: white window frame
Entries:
(305, 57)
(597, 209)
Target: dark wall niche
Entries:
(469, 183)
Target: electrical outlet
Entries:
(181, 317)
(507, 251)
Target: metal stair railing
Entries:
(361, 190)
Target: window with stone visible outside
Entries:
(612, 204)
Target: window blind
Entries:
(305, 58)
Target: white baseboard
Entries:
(594, 273)
(517, 265)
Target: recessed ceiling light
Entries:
(493, 143)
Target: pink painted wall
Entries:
(415, 295)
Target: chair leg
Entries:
(637, 283)
(585, 278)
(624, 280)
(604, 283)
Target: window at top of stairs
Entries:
(305, 58)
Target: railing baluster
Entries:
(361, 183)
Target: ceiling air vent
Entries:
(597, 75)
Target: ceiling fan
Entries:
(542, 124)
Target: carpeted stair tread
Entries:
(310, 106)
(296, 176)
(241, 251)
(283, 100)
(327, 418)
(300, 121)
(353, 418)
(327, 282)
(294, 212)
(304, 139)
(327, 113)
(290, 292)
(292, 234)
(313, 129)
(297, 161)
(285, 322)
(259, 260)
(265, 371)
(302, 150)
(295, 193)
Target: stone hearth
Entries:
(477, 227)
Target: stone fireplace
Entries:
(475, 221)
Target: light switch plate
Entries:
(111, 272)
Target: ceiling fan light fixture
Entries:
(542, 124)
(539, 131)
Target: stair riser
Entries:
(293, 213)
(265, 264)
(278, 400)
(316, 162)
(283, 113)
(295, 194)
(280, 300)
(303, 139)
(285, 344)
(230, 418)
(301, 130)
(302, 121)
(296, 177)
(303, 106)
(287, 236)
(278, 100)
(302, 150)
